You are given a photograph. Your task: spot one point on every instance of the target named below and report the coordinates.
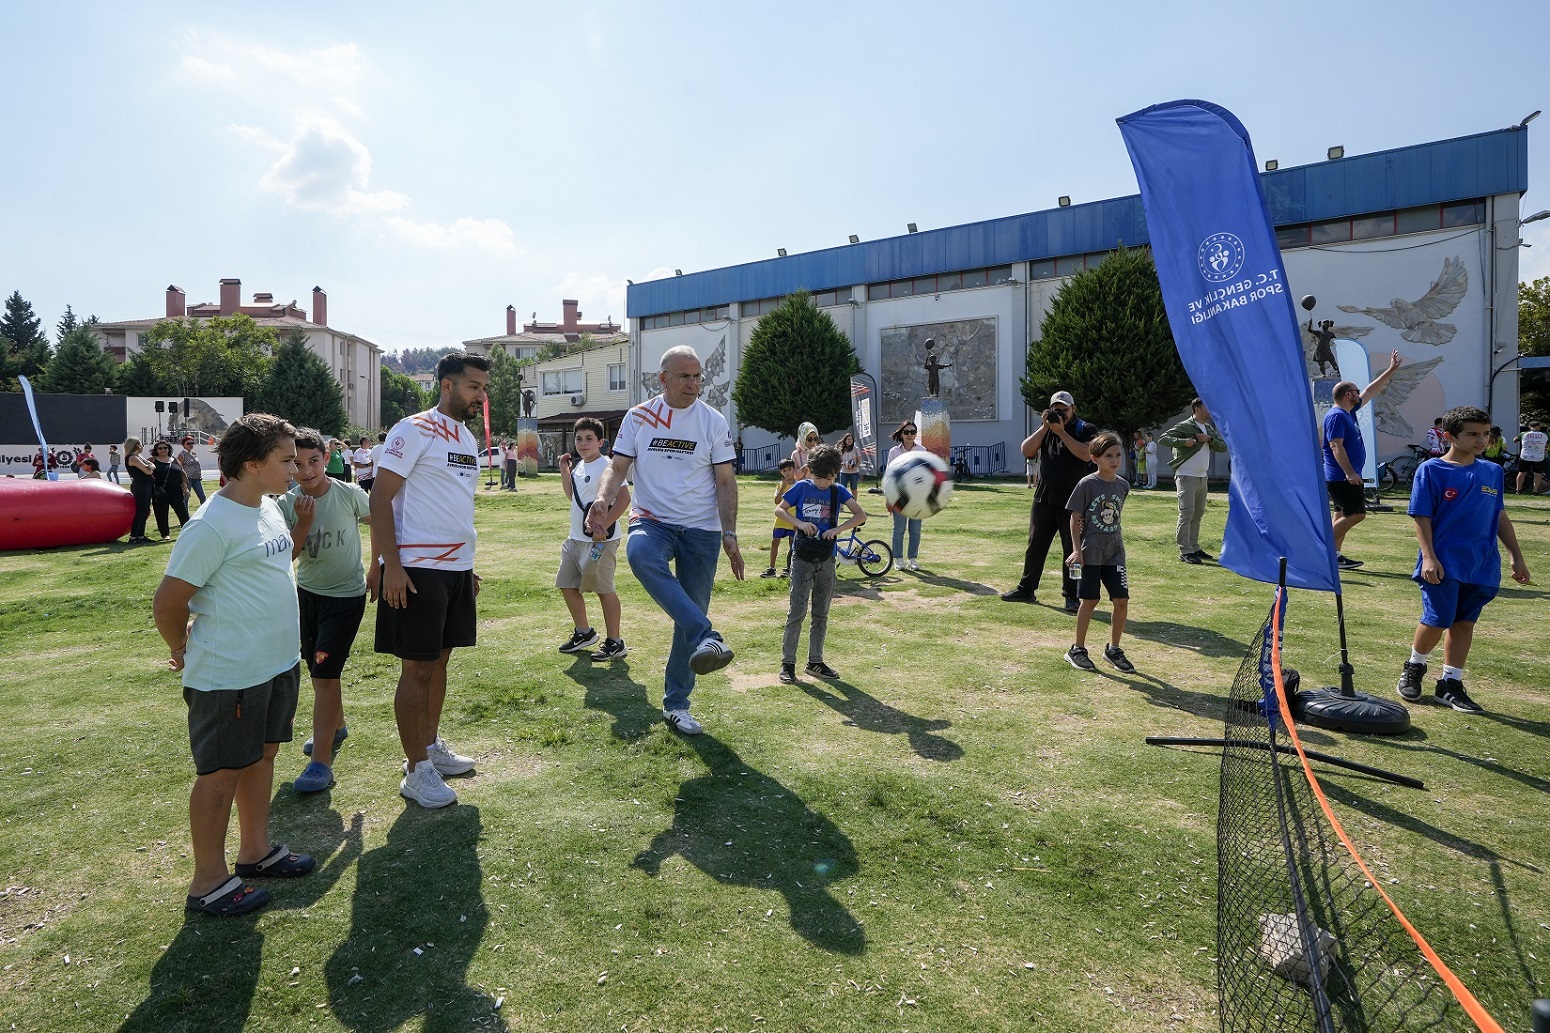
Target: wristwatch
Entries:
(729, 534)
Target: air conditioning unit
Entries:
(578, 399)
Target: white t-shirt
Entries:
(246, 616)
(1199, 464)
(433, 512)
(584, 477)
(362, 457)
(1531, 446)
(674, 451)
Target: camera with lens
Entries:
(1054, 416)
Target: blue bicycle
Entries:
(875, 558)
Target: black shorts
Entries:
(366, 483)
(1347, 498)
(1109, 575)
(439, 614)
(229, 728)
(1531, 466)
(328, 627)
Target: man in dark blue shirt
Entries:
(1345, 453)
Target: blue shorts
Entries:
(1449, 602)
(783, 532)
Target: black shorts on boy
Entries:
(229, 728)
(1109, 575)
(328, 628)
(439, 614)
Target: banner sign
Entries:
(49, 470)
(1236, 330)
(861, 413)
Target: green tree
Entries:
(400, 397)
(1106, 340)
(301, 387)
(67, 322)
(79, 366)
(1534, 339)
(24, 347)
(137, 379)
(505, 392)
(219, 356)
(797, 367)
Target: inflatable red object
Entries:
(48, 514)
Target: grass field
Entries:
(962, 834)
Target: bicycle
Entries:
(1401, 469)
(875, 558)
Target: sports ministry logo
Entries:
(1219, 257)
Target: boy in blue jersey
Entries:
(812, 505)
(1456, 502)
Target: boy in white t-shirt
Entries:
(231, 571)
(579, 570)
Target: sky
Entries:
(427, 165)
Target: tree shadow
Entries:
(971, 587)
(743, 828)
(206, 979)
(417, 918)
(1485, 764)
(873, 715)
(1183, 636)
(610, 689)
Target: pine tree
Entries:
(301, 388)
(79, 366)
(401, 397)
(24, 350)
(1106, 340)
(67, 322)
(797, 367)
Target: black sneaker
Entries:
(768, 572)
(1190, 557)
(1410, 680)
(1077, 657)
(583, 640)
(788, 674)
(1072, 604)
(1345, 562)
(822, 670)
(1450, 693)
(1116, 656)
(613, 649)
(1018, 595)
(1204, 557)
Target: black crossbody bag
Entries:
(816, 550)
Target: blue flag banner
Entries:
(1236, 330)
(32, 409)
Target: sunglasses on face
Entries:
(910, 431)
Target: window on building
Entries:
(565, 381)
(616, 376)
(1417, 220)
(1369, 226)
(1468, 214)
(1292, 236)
(1044, 269)
(999, 274)
(1331, 232)
(1070, 265)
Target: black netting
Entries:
(1303, 940)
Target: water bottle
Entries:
(596, 552)
(1076, 571)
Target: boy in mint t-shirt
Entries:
(324, 516)
(1456, 502)
(812, 506)
(231, 572)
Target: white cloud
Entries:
(325, 168)
(216, 57)
(595, 291)
(661, 272)
(490, 235)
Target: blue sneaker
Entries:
(316, 778)
(339, 737)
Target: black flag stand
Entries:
(1330, 699)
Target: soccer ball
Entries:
(917, 485)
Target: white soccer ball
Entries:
(917, 484)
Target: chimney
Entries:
(511, 320)
(319, 306)
(177, 302)
(263, 299)
(231, 297)
(572, 315)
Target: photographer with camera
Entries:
(1060, 445)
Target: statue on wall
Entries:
(527, 403)
(1323, 351)
(933, 366)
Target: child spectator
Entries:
(113, 464)
(324, 516)
(783, 526)
(90, 468)
(579, 570)
(813, 506)
(1459, 513)
(1095, 508)
(231, 570)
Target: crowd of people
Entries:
(268, 572)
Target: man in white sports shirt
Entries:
(684, 511)
(422, 538)
(1531, 458)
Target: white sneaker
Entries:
(681, 720)
(911, 565)
(446, 761)
(711, 654)
(424, 786)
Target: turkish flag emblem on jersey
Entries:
(1450, 494)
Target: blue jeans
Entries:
(851, 481)
(684, 596)
(197, 484)
(898, 537)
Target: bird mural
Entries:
(1387, 403)
(1418, 321)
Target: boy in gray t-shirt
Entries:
(1099, 553)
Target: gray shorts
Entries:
(229, 728)
(577, 571)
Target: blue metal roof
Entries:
(1429, 173)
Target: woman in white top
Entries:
(850, 463)
(807, 440)
(907, 437)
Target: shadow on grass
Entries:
(871, 714)
(206, 979)
(1484, 763)
(1448, 841)
(743, 828)
(1183, 636)
(610, 688)
(1201, 704)
(1522, 724)
(419, 891)
(970, 587)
